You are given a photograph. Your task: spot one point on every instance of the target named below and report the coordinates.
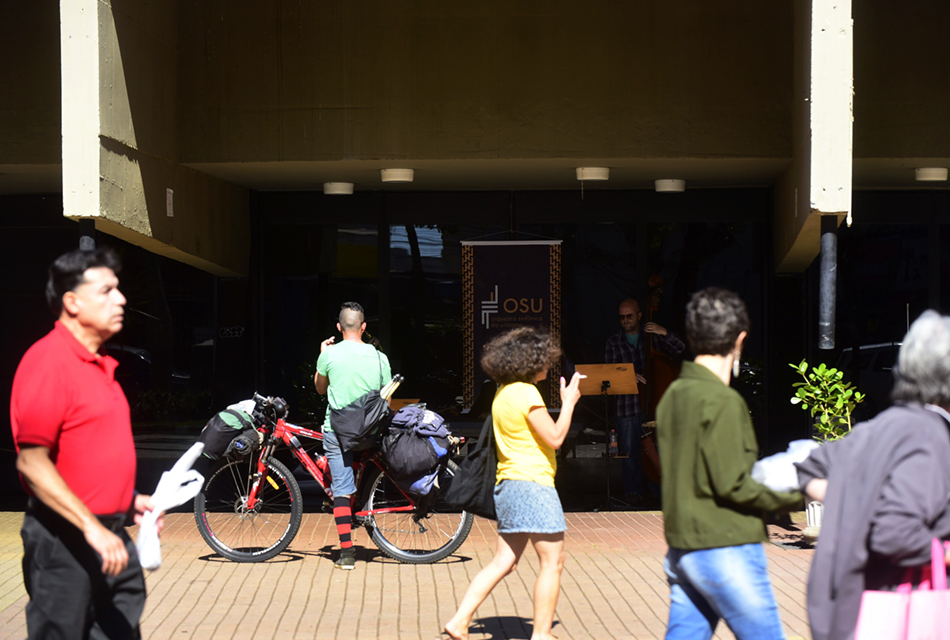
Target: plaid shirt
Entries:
(619, 350)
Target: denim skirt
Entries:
(523, 506)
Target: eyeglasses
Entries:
(624, 316)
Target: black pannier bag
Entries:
(417, 441)
(227, 427)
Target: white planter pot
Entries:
(813, 513)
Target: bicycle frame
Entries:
(287, 433)
(254, 518)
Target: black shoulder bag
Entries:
(473, 487)
(357, 425)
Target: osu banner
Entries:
(507, 285)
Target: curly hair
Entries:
(714, 319)
(519, 355)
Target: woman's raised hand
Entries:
(571, 393)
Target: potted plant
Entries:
(829, 399)
(831, 402)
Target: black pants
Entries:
(70, 598)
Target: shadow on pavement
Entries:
(508, 627)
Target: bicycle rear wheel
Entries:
(414, 537)
(249, 535)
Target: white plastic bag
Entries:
(177, 486)
(778, 471)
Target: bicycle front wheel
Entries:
(249, 535)
(412, 536)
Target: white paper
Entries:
(177, 486)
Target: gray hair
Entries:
(922, 373)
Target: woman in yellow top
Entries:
(526, 503)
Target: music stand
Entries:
(616, 379)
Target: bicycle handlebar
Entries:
(275, 405)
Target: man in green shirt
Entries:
(346, 371)
(713, 512)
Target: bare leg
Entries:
(507, 553)
(550, 550)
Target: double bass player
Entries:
(632, 344)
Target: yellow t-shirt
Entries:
(522, 454)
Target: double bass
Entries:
(662, 370)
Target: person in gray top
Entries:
(885, 487)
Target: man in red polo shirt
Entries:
(76, 458)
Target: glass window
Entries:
(426, 319)
(882, 286)
(691, 256)
(307, 272)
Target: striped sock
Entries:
(344, 521)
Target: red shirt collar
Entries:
(107, 363)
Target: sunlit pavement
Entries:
(613, 585)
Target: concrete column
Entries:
(79, 46)
(818, 182)
(832, 107)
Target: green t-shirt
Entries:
(354, 369)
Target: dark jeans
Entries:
(629, 430)
(70, 598)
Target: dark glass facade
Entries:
(194, 342)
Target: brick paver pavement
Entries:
(613, 586)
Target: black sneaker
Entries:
(347, 559)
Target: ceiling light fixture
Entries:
(669, 186)
(338, 188)
(593, 173)
(396, 175)
(931, 174)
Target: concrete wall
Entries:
(901, 68)
(274, 81)
(794, 249)
(29, 98)
(138, 162)
(194, 81)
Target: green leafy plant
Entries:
(827, 397)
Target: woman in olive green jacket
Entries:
(712, 509)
